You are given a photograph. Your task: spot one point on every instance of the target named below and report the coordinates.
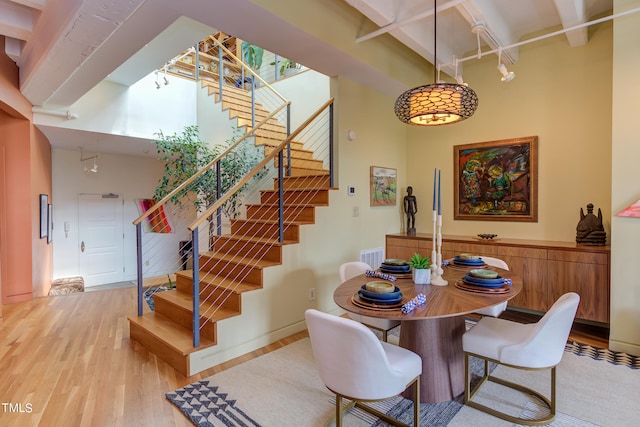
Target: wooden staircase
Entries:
(251, 246)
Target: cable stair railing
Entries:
(228, 265)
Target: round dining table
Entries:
(433, 330)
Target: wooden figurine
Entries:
(590, 230)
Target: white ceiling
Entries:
(127, 39)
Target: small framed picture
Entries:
(44, 215)
(383, 183)
(49, 223)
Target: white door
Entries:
(101, 239)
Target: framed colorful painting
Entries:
(496, 180)
(383, 183)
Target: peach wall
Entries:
(25, 259)
(40, 157)
(16, 256)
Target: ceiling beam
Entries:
(572, 13)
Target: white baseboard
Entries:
(212, 356)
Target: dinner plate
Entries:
(468, 263)
(381, 296)
(471, 278)
(395, 262)
(482, 283)
(395, 269)
(380, 301)
(482, 273)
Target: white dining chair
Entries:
(350, 270)
(354, 364)
(495, 310)
(531, 346)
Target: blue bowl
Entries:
(380, 296)
(485, 283)
(379, 301)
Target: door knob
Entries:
(82, 246)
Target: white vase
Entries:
(421, 276)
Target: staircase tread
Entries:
(221, 282)
(185, 301)
(288, 205)
(172, 334)
(239, 259)
(254, 239)
(269, 221)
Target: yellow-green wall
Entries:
(560, 94)
(625, 242)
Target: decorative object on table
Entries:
(383, 301)
(487, 236)
(379, 275)
(414, 302)
(410, 209)
(383, 186)
(590, 230)
(484, 274)
(380, 287)
(468, 262)
(421, 269)
(395, 266)
(497, 180)
(373, 292)
(436, 251)
(632, 210)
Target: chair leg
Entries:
(469, 393)
(416, 403)
(384, 335)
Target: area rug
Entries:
(282, 388)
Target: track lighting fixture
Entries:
(507, 76)
(87, 169)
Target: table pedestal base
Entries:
(439, 342)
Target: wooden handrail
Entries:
(218, 203)
(179, 188)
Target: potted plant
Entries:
(421, 269)
(252, 55)
(286, 67)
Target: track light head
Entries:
(507, 76)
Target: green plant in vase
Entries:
(421, 269)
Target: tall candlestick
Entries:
(434, 189)
(439, 201)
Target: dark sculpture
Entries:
(410, 208)
(590, 230)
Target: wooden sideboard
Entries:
(548, 269)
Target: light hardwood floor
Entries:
(70, 359)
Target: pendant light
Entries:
(438, 103)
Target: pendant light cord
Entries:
(435, 40)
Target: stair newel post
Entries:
(196, 287)
(288, 145)
(253, 102)
(331, 167)
(197, 62)
(139, 264)
(220, 70)
(218, 194)
(280, 197)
